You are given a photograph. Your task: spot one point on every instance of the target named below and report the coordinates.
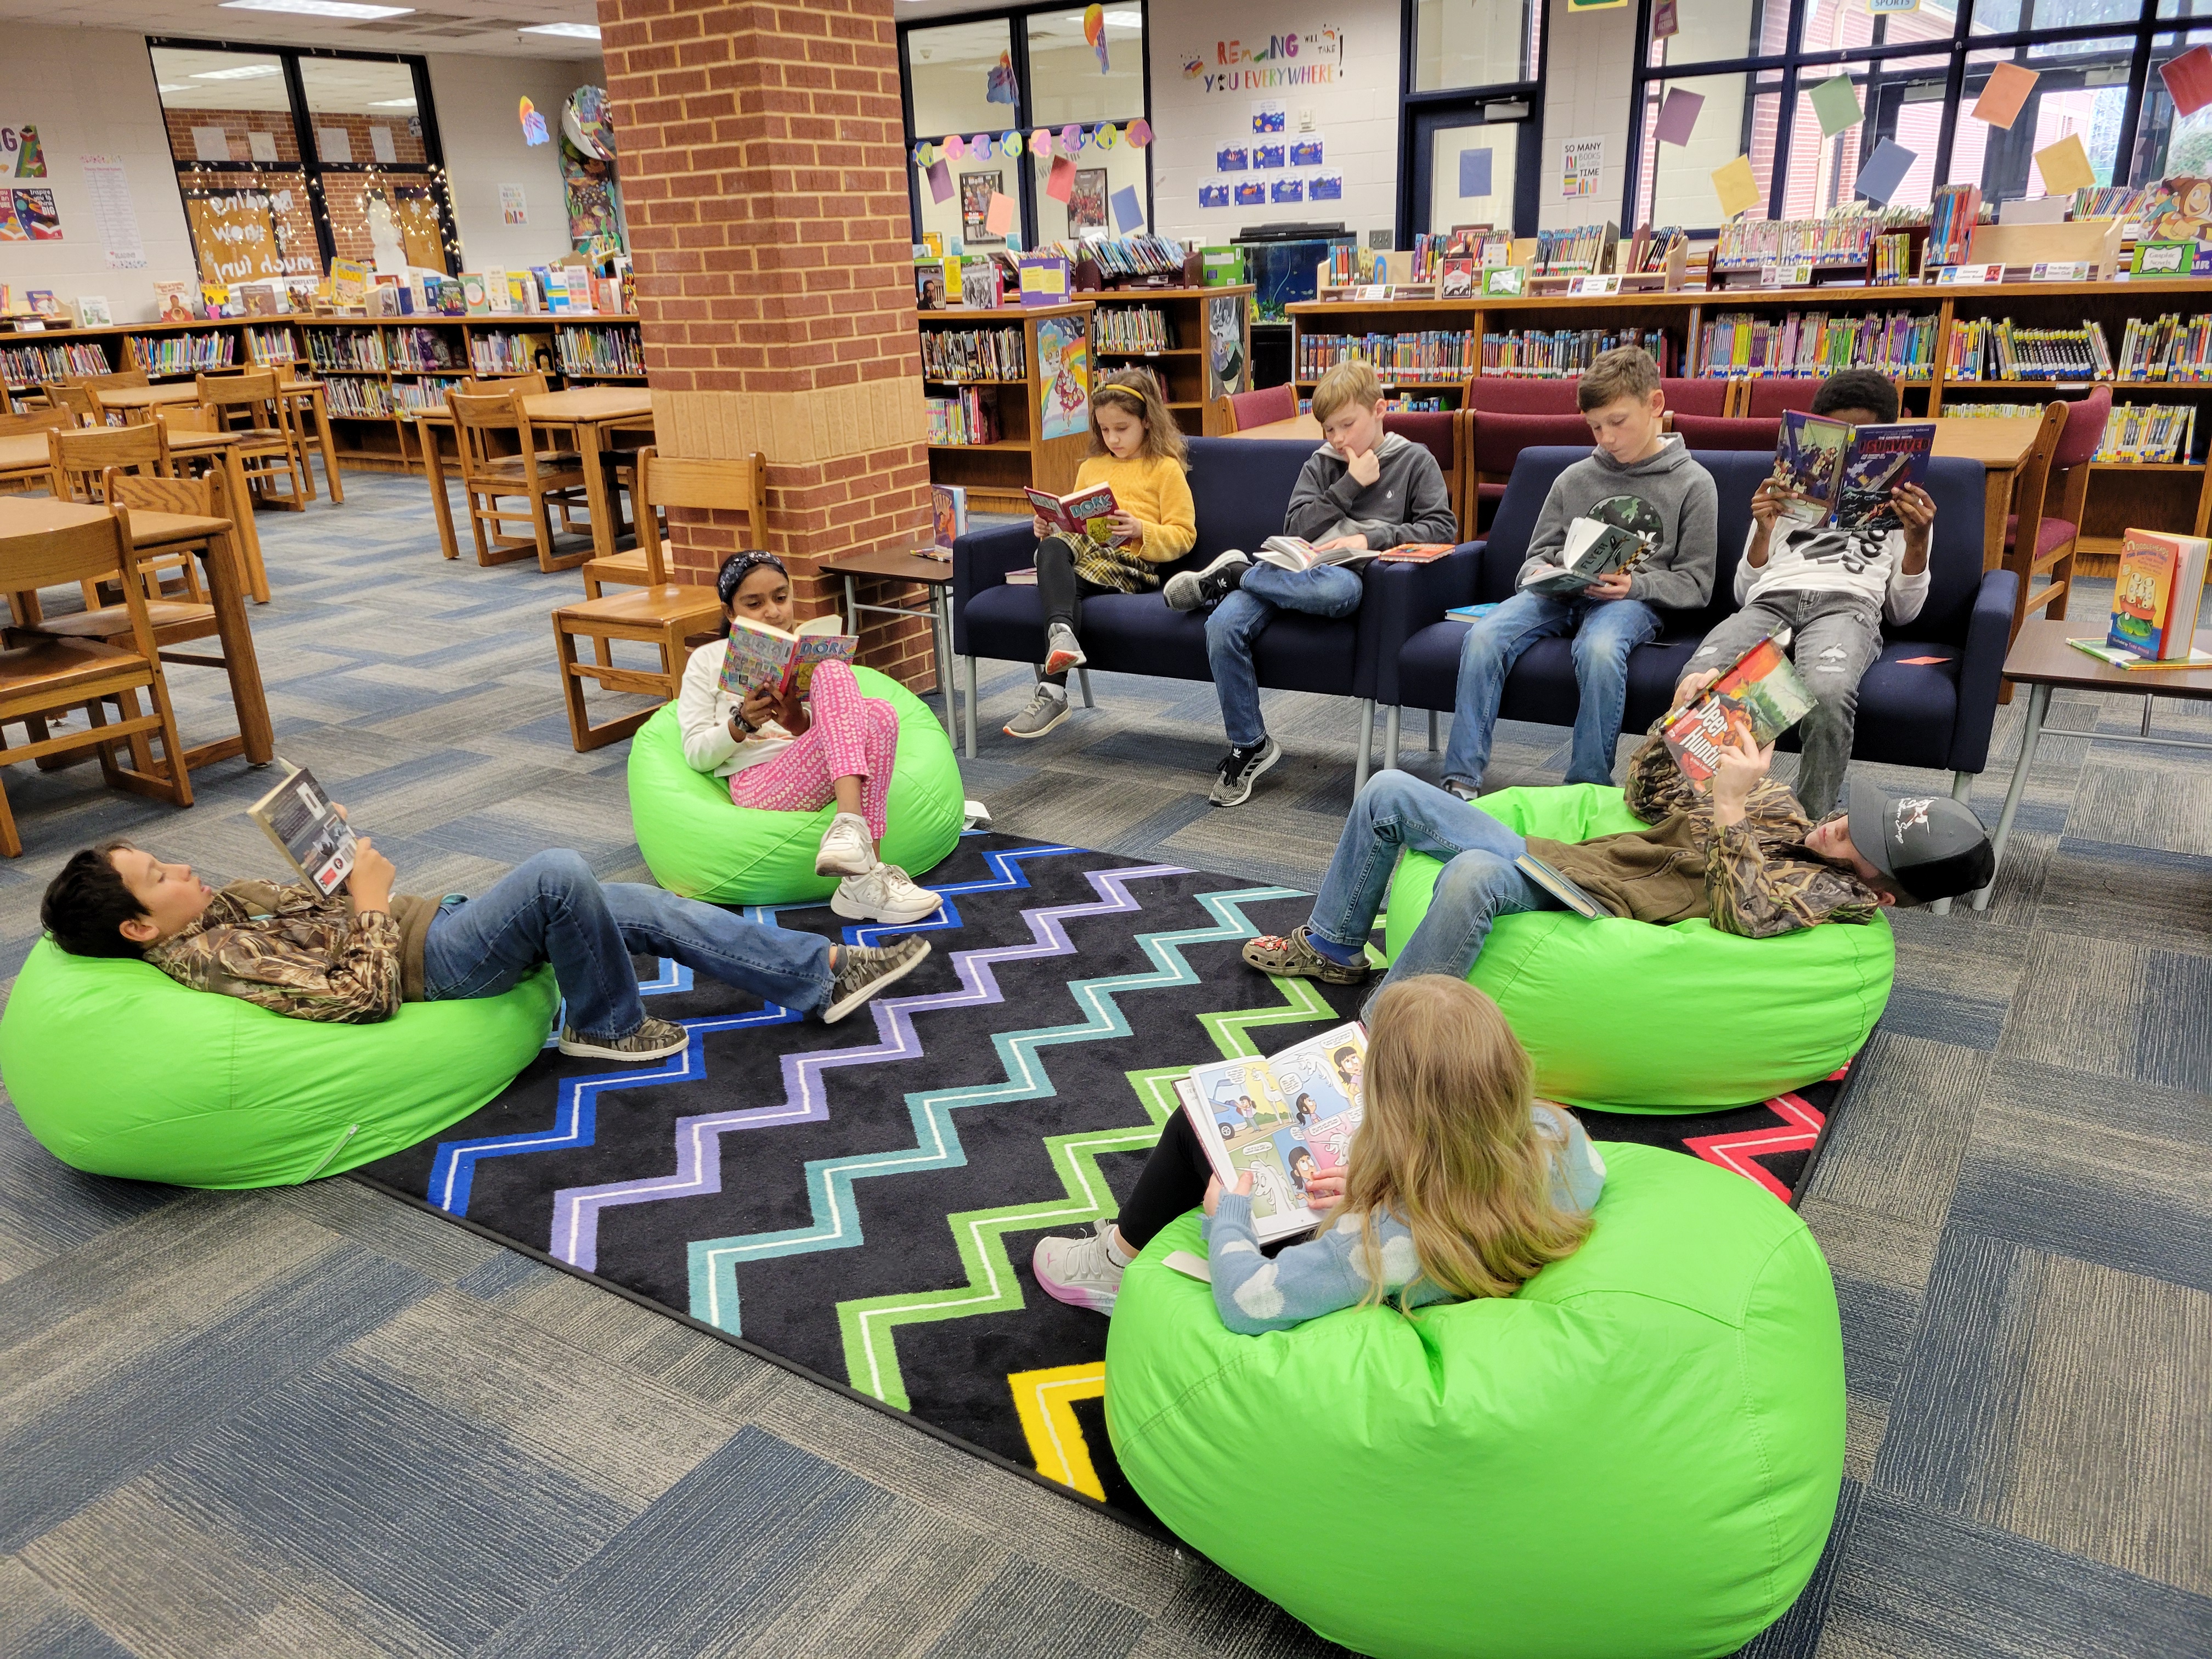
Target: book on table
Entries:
(948, 515)
(2116, 658)
(299, 816)
(762, 655)
(1082, 513)
(1834, 473)
(2157, 593)
(1757, 696)
(1592, 551)
(1286, 1118)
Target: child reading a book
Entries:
(799, 754)
(1740, 853)
(1832, 585)
(1459, 1183)
(1137, 447)
(1639, 480)
(1364, 488)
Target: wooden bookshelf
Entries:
(364, 363)
(1191, 373)
(1023, 456)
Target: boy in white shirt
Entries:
(1831, 589)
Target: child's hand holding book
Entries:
(1736, 772)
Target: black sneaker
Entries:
(867, 970)
(1242, 770)
(1193, 590)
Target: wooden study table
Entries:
(35, 516)
(935, 576)
(2001, 444)
(591, 414)
(294, 391)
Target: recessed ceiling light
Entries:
(393, 103)
(566, 31)
(319, 9)
(243, 72)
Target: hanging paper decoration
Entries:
(587, 121)
(1040, 142)
(1138, 133)
(979, 147)
(924, 153)
(955, 147)
(1010, 144)
(1106, 137)
(998, 82)
(533, 126)
(1071, 138)
(1094, 30)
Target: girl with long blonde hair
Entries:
(1459, 1183)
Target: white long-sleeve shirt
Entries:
(703, 709)
(1801, 559)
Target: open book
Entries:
(1286, 1119)
(1081, 513)
(306, 829)
(1761, 694)
(1836, 474)
(1295, 553)
(760, 655)
(1592, 550)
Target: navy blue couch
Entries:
(1938, 715)
(1241, 486)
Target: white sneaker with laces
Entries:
(848, 848)
(1078, 1271)
(887, 893)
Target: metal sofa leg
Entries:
(1962, 785)
(1083, 675)
(971, 709)
(1366, 743)
(1433, 731)
(1391, 722)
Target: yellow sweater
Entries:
(1155, 491)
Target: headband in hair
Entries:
(738, 565)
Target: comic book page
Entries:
(1808, 464)
(1877, 461)
(1286, 1119)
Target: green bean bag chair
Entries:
(1630, 1017)
(701, 845)
(117, 1070)
(1637, 1455)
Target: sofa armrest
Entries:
(980, 560)
(1981, 670)
(1402, 599)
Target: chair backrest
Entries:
(2033, 490)
(1251, 409)
(1241, 488)
(99, 549)
(734, 484)
(1710, 432)
(1498, 438)
(1704, 397)
(38, 420)
(230, 393)
(532, 384)
(75, 399)
(2086, 418)
(1500, 395)
(1769, 398)
(79, 458)
(193, 497)
(189, 417)
(1436, 431)
(477, 416)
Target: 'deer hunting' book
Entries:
(1286, 1119)
(1759, 694)
(1831, 473)
(1081, 513)
(299, 818)
(760, 655)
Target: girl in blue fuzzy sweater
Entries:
(1459, 1183)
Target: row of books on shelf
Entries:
(358, 399)
(508, 354)
(1748, 244)
(1952, 213)
(1563, 353)
(1132, 328)
(1578, 251)
(2166, 349)
(973, 354)
(184, 354)
(2133, 432)
(589, 351)
(360, 349)
(23, 367)
(1429, 355)
(1127, 255)
(1815, 342)
(968, 416)
(1994, 348)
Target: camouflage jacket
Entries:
(289, 951)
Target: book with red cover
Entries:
(1759, 693)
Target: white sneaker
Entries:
(887, 893)
(1077, 1271)
(848, 849)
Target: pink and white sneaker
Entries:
(1078, 1271)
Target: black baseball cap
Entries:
(1930, 846)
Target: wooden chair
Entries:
(1495, 442)
(1249, 409)
(53, 418)
(269, 448)
(179, 613)
(2054, 538)
(304, 399)
(48, 676)
(74, 391)
(665, 616)
(629, 569)
(541, 479)
(2024, 533)
(81, 458)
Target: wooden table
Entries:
(935, 575)
(33, 515)
(2001, 444)
(2041, 659)
(590, 413)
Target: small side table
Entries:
(935, 575)
(2040, 659)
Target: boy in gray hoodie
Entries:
(1362, 490)
(1639, 479)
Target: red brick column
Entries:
(763, 175)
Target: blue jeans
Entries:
(1397, 813)
(1327, 590)
(551, 908)
(1605, 631)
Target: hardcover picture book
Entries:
(1081, 513)
(2157, 593)
(760, 655)
(299, 818)
(1843, 475)
(1759, 695)
(1592, 550)
(1286, 1119)
(1560, 887)
(949, 513)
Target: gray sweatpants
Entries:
(1835, 638)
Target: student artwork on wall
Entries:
(1232, 158)
(1253, 194)
(1306, 152)
(1213, 195)
(1224, 346)
(1086, 200)
(977, 189)
(1064, 373)
(20, 156)
(1269, 115)
(1287, 190)
(1325, 187)
(1269, 155)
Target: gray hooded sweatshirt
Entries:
(1670, 499)
(1407, 501)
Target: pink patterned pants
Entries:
(852, 737)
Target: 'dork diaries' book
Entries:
(760, 655)
(1081, 513)
(1834, 473)
(1592, 551)
(1286, 1119)
(306, 829)
(1759, 694)
(2155, 594)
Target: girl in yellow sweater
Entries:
(1136, 446)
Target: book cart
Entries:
(1707, 334)
(1039, 419)
(376, 371)
(1197, 340)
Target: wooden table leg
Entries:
(591, 445)
(242, 515)
(433, 468)
(256, 737)
(327, 443)
(1997, 504)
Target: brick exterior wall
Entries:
(764, 181)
